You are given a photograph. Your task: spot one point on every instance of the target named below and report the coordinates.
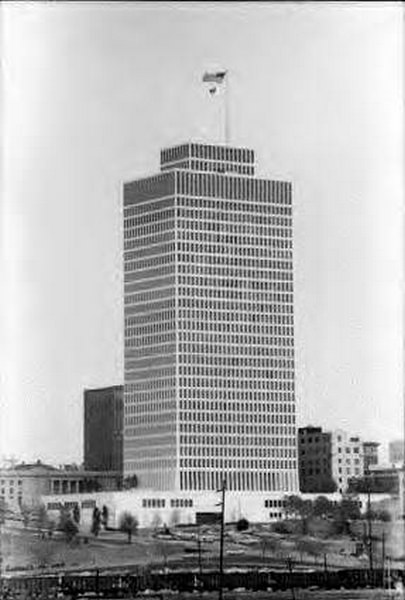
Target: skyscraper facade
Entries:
(103, 429)
(209, 325)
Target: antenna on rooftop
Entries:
(216, 79)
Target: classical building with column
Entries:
(209, 325)
(26, 483)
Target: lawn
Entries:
(256, 547)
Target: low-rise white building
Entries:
(153, 509)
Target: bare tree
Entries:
(128, 524)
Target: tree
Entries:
(242, 524)
(96, 522)
(67, 525)
(174, 518)
(383, 515)
(347, 510)
(310, 547)
(297, 507)
(26, 515)
(130, 482)
(2, 510)
(104, 516)
(91, 484)
(128, 524)
(41, 517)
(293, 505)
(76, 514)
(43, 550)
(156, 521)
(322, 507)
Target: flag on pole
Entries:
(217, 77)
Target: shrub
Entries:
(242, 524)
(280, 527)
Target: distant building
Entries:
(347, 458)
(103, 429)
(315, 460)
(379, 480)
(370, 453)
(25, 484)
(209, 325)
(396, 452)
(327, 460)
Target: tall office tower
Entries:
(209, 333)
(103, 429)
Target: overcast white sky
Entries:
(91, 92)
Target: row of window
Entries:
(251, 355)
(213, 166)
(234, 464)
(207, 151)
(155, 402)
(11, 482)
(150, 216)
(203, 209)
(251, 284)
(244, 262)
(149, 340)
(168, 382)
(222, 210)
(233, 232)
(211, 185)
(248, 298)
(218, 313)
(223, 428)
(356, 450)
(225, 271)
(256, 376)
(274, 503)
(212, 220)
(205, 298)
(213, 367)
(215, 243)
(69, 505)
(247, 417)
(148, 230)
(159, 238)
(197, 206)
(244, 327)
(238, 480)
(214, 265)
(235, 450)
(231, 345)
(147, 207)
(150, 275)
(161, 502)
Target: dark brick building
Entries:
(315, 460)
(103, 429)
(370, 454)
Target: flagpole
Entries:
(227, 123)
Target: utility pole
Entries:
(370, 541)
(199, 555)
(383, 558)
(221, 547)
(290, 568)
